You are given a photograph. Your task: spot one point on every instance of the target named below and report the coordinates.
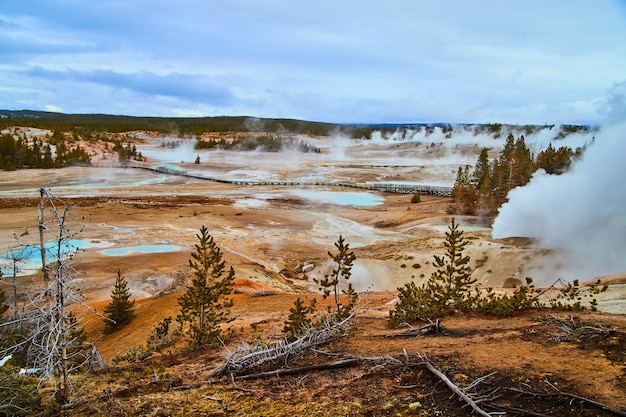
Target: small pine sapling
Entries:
(298, 321)
(330, 283)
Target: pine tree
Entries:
(451, 282)
(482, 170)
(343, 269)
(204, 306)
(298, 320)
(448, 289)
(121, 310)
(463, 193)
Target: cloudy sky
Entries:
(370, 61)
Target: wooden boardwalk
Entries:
(439, 190)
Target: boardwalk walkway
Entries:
(379, 187)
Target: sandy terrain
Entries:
(277, 240)
(268, 233)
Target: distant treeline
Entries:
(486, 188)
(18, 152)
(266, 143)
(197, 126)
(178, 125)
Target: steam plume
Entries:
(582, 212)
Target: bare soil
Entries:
(277, 244)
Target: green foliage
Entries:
(121, 310)
(416, 198)
(19, 394)
(264, 143)
(162, 336)
(416, 304)
(330, 283)
(298, 320)
(127, 153)
(136, 354)
(463, 193)
(449, 290)
(487, 187)
(571, 296)
(204, 305)
(181, 125)
(505, 305)
(197, 161)
(451, 281)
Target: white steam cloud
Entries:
(581, 213)
(537, 139)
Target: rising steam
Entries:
(581, 213)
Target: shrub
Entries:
(298, 321)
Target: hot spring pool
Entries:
(140, 249)
(341, 198)
(28, 257)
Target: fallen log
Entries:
(294, 371)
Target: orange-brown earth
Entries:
(268, 244)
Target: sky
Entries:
(348, 61)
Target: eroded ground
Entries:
(277, 240)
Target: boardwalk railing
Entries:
(439, 190)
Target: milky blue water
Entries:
(140, 249)
(29, 256)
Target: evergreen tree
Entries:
(204, 306)
(546, 160)
(121, 310)
(482, 170)
(298, 320)
(524, 164)
(451, 281)
(343, 269)
(447, 290)
(463, 193)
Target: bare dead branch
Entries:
(295, 371)
(432, 328)
(455, 389)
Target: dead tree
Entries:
(14, 261)
(52, 346)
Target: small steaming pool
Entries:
(340, 198)
(140, 249)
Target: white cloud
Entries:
(53, 108)
(348, 61)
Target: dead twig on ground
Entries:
(294, 371)
(245, 358)
(455, 389)
(432, 328)
(560, 393)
